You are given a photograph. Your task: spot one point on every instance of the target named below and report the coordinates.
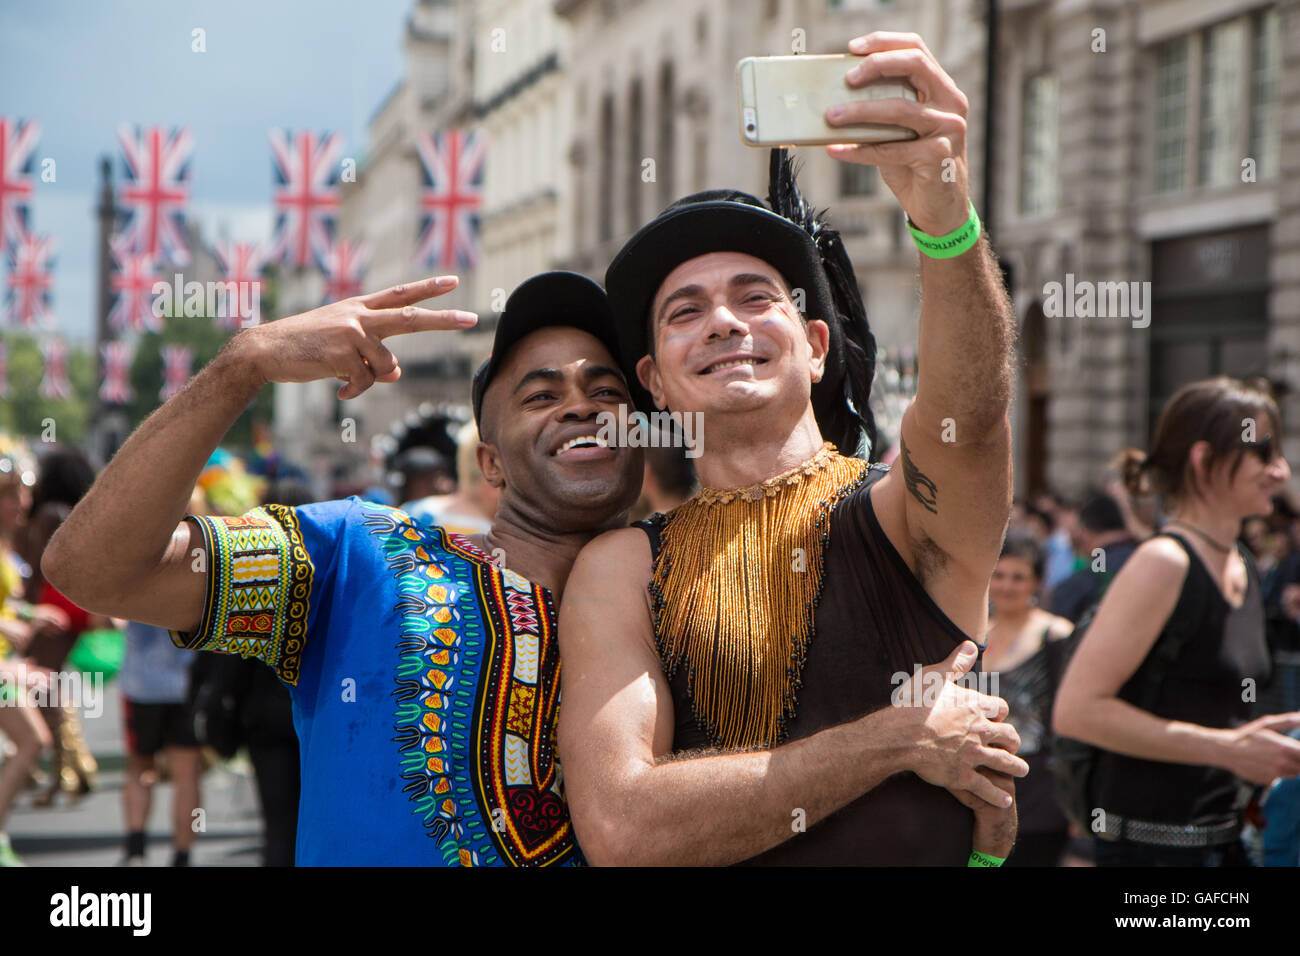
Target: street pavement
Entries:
(90, 831)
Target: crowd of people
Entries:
(772, 665)
(1176, 585)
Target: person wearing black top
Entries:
(1102, 534)
(1158, 681)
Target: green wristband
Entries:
(983, 859)
(954, 244)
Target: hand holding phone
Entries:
(783, 101)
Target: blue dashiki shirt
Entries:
(425, 683)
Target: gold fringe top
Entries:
(735, 589)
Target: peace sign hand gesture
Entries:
(344, 339)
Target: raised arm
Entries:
(633, 803)
(126, 549)
(945, 503)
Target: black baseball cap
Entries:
(551, 298)
(716, 220)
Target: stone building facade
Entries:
(1151, 148)
(1121, 135)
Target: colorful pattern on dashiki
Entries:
(425, 683)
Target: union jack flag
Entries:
(17, 163)
(241, 263)
(177, 361)
(156, 189)
(345, 264)
(116, 356)
(28, 296)
(54, 383)
(306, 193)
(451, 164)
(4, 369)
(133, 282)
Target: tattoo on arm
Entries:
(918, 483)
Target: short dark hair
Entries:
(1020, 544)
(1101, 513)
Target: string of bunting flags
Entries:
(150, 237)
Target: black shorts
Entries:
(151, 727)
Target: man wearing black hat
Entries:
(719, 660)
(422, 665)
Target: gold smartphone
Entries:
(783, 101)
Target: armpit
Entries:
(928, 559)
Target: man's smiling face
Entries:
(727, 337)
(541, 431)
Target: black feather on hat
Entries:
(797, 242)
(857, 344)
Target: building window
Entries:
(605, 185)
(1217, 90)
(701, 160)
(857, 180)
(1221, 76)
(667, 135)
(636, 155)
(1171, 114)
(1038, 146)
(1266, 54)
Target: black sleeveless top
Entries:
(1224, 646)
(1027, 689)
(874, 624)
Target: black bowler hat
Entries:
(551, 298)
(791, 238)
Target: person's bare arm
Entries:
(126, 549)
(945, 503)
(632, 802)
(1131, 616)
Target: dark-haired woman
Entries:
(1017, 650)
(1160, 681)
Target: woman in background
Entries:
(1018, 652)
(1158, 680)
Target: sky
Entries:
(82, 67)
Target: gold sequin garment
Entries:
(735, 590)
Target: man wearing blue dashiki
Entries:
(423, 665)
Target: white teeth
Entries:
(732, 364)
(582, 440)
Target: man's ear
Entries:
(648, 373)
(819, 343)
(489, 463)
